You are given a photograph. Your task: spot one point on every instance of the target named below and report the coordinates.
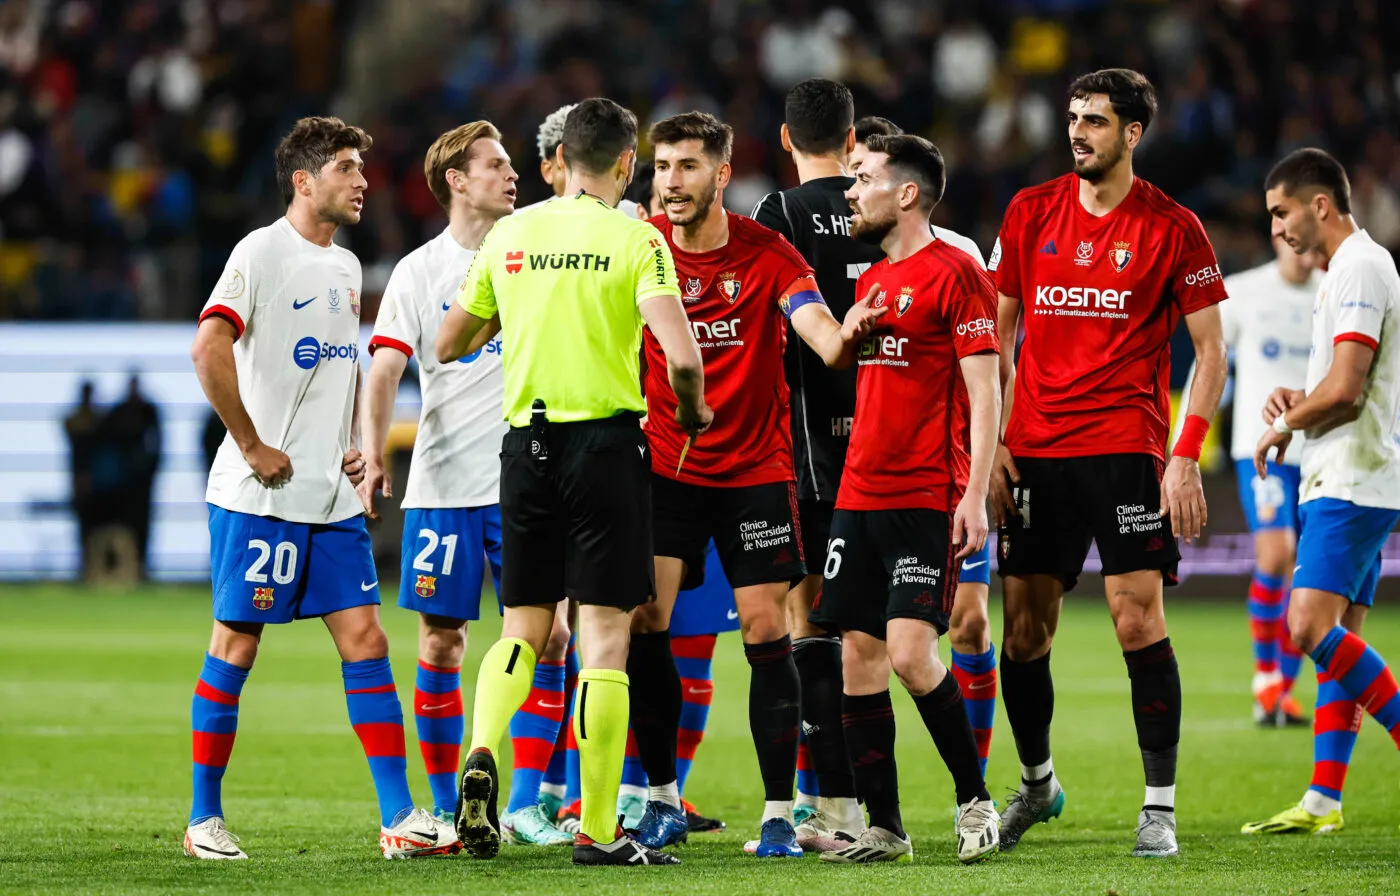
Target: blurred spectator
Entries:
(81, 428)
(132, 430)
(136, 137)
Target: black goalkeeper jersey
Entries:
(816, 218)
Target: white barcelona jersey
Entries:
(1268, 324)
(456, 454)
(297, 309)
(958, 241)
(1358, 461)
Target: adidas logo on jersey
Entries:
(1048, 249)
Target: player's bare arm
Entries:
(980, 374)
(352, 463)
(1182, 494)
(1004, 473)
(212, 355)
(385, 370)
(836, 343)
(1333, 401)
(665, 317)
(460, 330)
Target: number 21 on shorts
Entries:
(423, 561)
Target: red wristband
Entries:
(1193, 436)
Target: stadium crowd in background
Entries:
(134, 137)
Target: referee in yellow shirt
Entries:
(569, 284)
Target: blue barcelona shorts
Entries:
(977, 569)
(1339, 548)
(268, 570)
(444, 557)
(1270, 503)
(709, 609)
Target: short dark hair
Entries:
(818, 113)
(715, 136)
(873, 126)
(1309, 167)
(1128, 91)
(916, 159)
(596, 132)
(312, 143)
(639, 191)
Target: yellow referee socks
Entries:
(600, 727)
(502, 684)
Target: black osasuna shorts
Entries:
(816, 531)
(756, 530)
(1068, 502)
(887, 564)
(577, 524)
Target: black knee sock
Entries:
(1028, 693)
(869, 724)
(655, 703)
(945, 717)
(1156, 684)
(819, 670)
(774, 714)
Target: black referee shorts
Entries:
(579, 523)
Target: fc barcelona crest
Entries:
(425, 586)
(904, 302)
(1122, 254)
(354, 303)
(729, 286)
(262, 598)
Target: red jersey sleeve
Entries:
(1004, 265)
(972, 314)
(1196, 282)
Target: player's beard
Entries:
(341, 215)
(702, 205)
(872, 231)
(1094, 169)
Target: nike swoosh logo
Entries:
(974, 565)
(217, 852)
(445, 306)
(559, 705)
(297, 306)
(429, 837)
(364, 587)
(732, 614)
(423, 707)
(700, 690)
(1298, 567)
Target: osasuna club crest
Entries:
(904, 302)
(729, 286)
(1122, 254)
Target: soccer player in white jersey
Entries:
(1268, 326)
(1350, 497)
(277, 355)
(549, 138)
(452, 517)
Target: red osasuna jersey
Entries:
(910, 439)
(737, 298)
(1101, 298)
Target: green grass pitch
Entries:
(94, 773)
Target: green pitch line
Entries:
(95, 782)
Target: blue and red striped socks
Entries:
(556, 774)
(695, 663)
(1266, 610)
(976, 675)
(214, 722)
(533, 730)
(1290, 658)
(438, 716)
(1335, 726)
(634, 777)
(1363, 675)
(377, 718)
(808, 789)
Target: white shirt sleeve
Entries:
(1230, 317)
(1361, 300)
(233, 297)
(397, 325)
